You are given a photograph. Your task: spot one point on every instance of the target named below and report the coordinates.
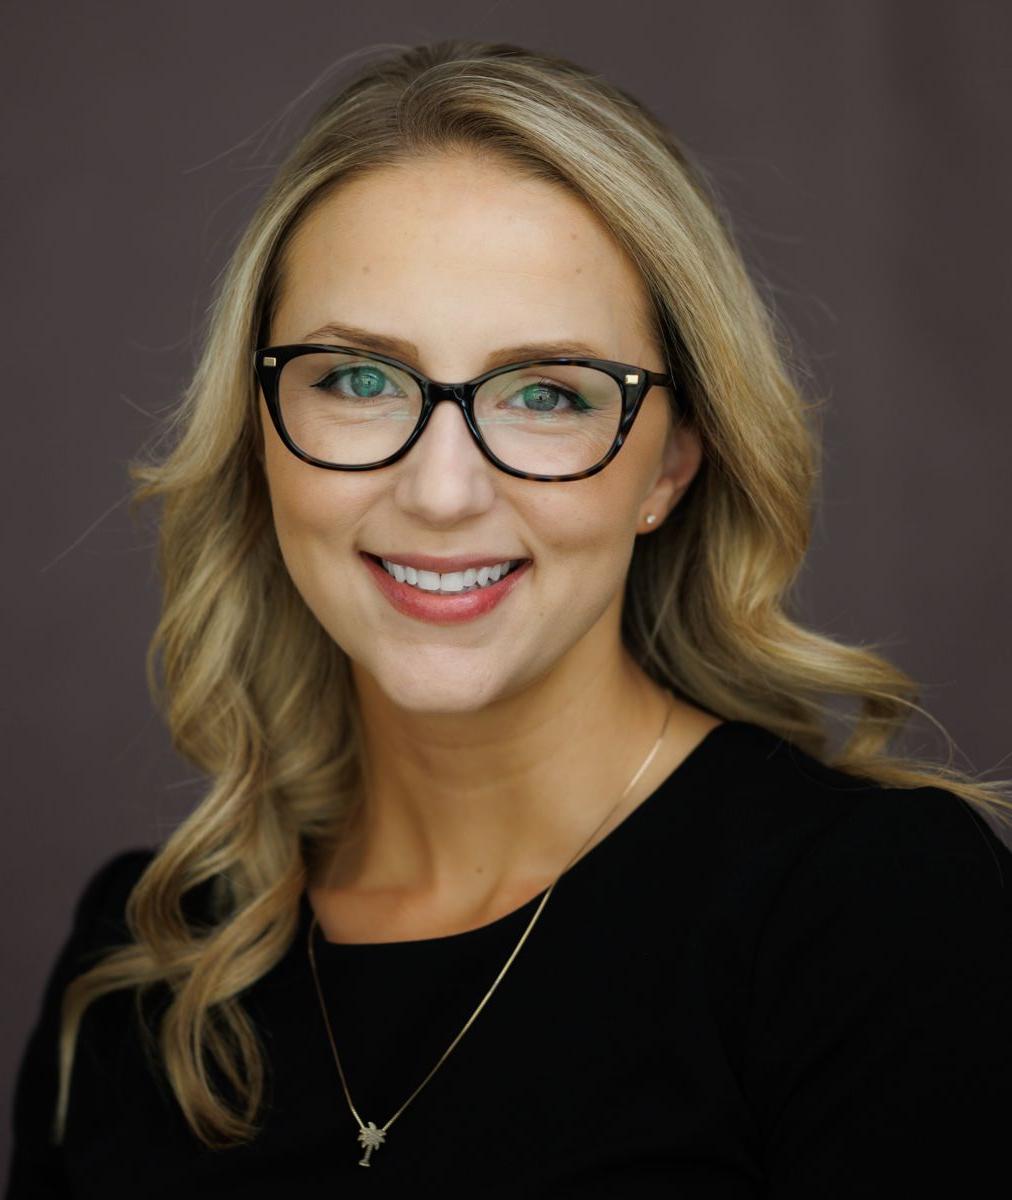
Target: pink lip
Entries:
(443, 609)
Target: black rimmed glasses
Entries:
(550, 419)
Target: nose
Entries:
(444, 478)
(447, 438)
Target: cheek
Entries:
(299, 502)
(315, 514)
(314, 521)
(585, 534)
(309, 504)
(593, 519)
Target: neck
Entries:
(471, 804)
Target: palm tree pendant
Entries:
(371, 1137)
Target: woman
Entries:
(525, 866)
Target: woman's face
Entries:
(462, 259)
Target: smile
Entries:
(446, 599)
(452, 581)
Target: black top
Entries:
(770, 980)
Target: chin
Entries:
(441, 688)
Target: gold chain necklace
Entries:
(371, 1137)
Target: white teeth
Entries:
(429, 580)
(452, 581)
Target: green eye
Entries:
(544, 397)
(366, 381)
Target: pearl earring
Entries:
(650, 518)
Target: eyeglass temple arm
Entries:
(660, 379)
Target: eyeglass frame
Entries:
(634, 382)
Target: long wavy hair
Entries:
(259, 696)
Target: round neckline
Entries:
(691, 764)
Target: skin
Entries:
(493, 747)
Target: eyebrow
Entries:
(397, 348)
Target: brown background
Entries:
(863, 150)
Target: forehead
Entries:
(456, 250)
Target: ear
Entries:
(680, 460)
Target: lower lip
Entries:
(443, 608)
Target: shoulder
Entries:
(99, 912)
(793, 854)
(112, 881)
(770, 797)
(875, 929)
(97, 922)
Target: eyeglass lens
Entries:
(547, 419)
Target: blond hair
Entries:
(257, 694)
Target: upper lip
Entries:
(425, 562)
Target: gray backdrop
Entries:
(863, 149)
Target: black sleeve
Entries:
(36, 1164)
(879, 1058)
